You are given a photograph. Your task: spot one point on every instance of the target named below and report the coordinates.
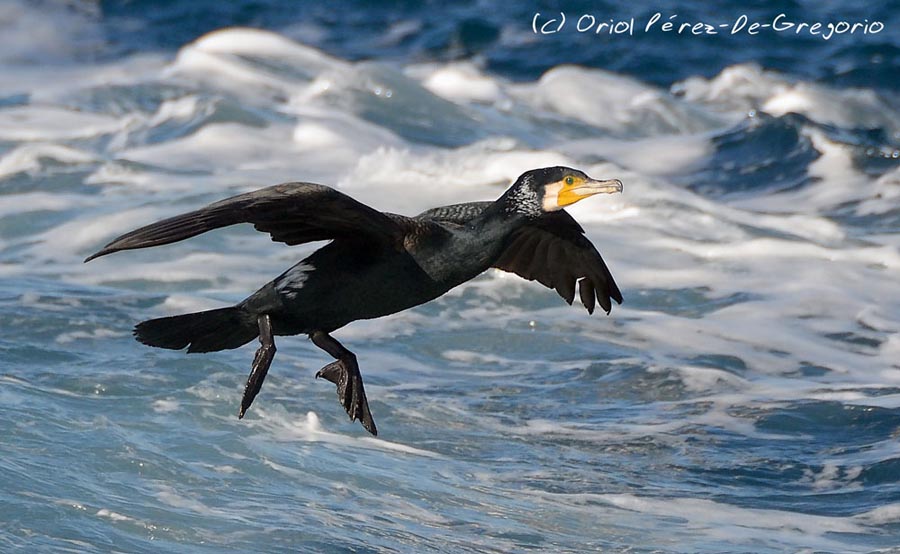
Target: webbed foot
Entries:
(344, 373)
(261, 362)
(350, 391)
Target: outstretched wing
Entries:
(292, 213)
(554, 251)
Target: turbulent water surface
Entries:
(744, 398)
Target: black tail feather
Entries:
(208, 331)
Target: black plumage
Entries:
(377, 264)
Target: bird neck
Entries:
(523, 199)
(501, 217)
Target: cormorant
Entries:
(376, 264)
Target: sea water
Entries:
(744, 398)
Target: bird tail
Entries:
(208, 331)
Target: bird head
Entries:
(550, 189)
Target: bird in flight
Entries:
(376, 264)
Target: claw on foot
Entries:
(350, 391)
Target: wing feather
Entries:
(292, 213)
(586, 291)
(554, 251)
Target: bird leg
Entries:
(261, 362)
(345, 374)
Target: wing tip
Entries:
(617, 297)
(97, 255)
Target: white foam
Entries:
(835, 181)
(884, 195)
(658, 155)
(415, 180)
(616, 103)
(463, 82)
(11, 204)
(179, 109)
(223, 59)
(882, 515)
(711, 380)
(221, 147)
(851, 109)
(833, 476)
(80, 235)
(337, 138)
(165, 406)
(739, 87)
(248, 41)
(30, 157)
(182, 303)
(748, 87)
(168, 496)
(115, 516)
(73, 336)
(53, 123)
(384, 95)
(52, 32)
(311, 429)
(739, 524)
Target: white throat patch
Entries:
(551, 197)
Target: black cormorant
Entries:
(377, 264)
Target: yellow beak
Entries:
(569, 194)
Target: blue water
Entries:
(744, 398)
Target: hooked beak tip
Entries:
(609, 186)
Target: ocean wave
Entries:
(750, 375)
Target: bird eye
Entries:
(570, 180)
